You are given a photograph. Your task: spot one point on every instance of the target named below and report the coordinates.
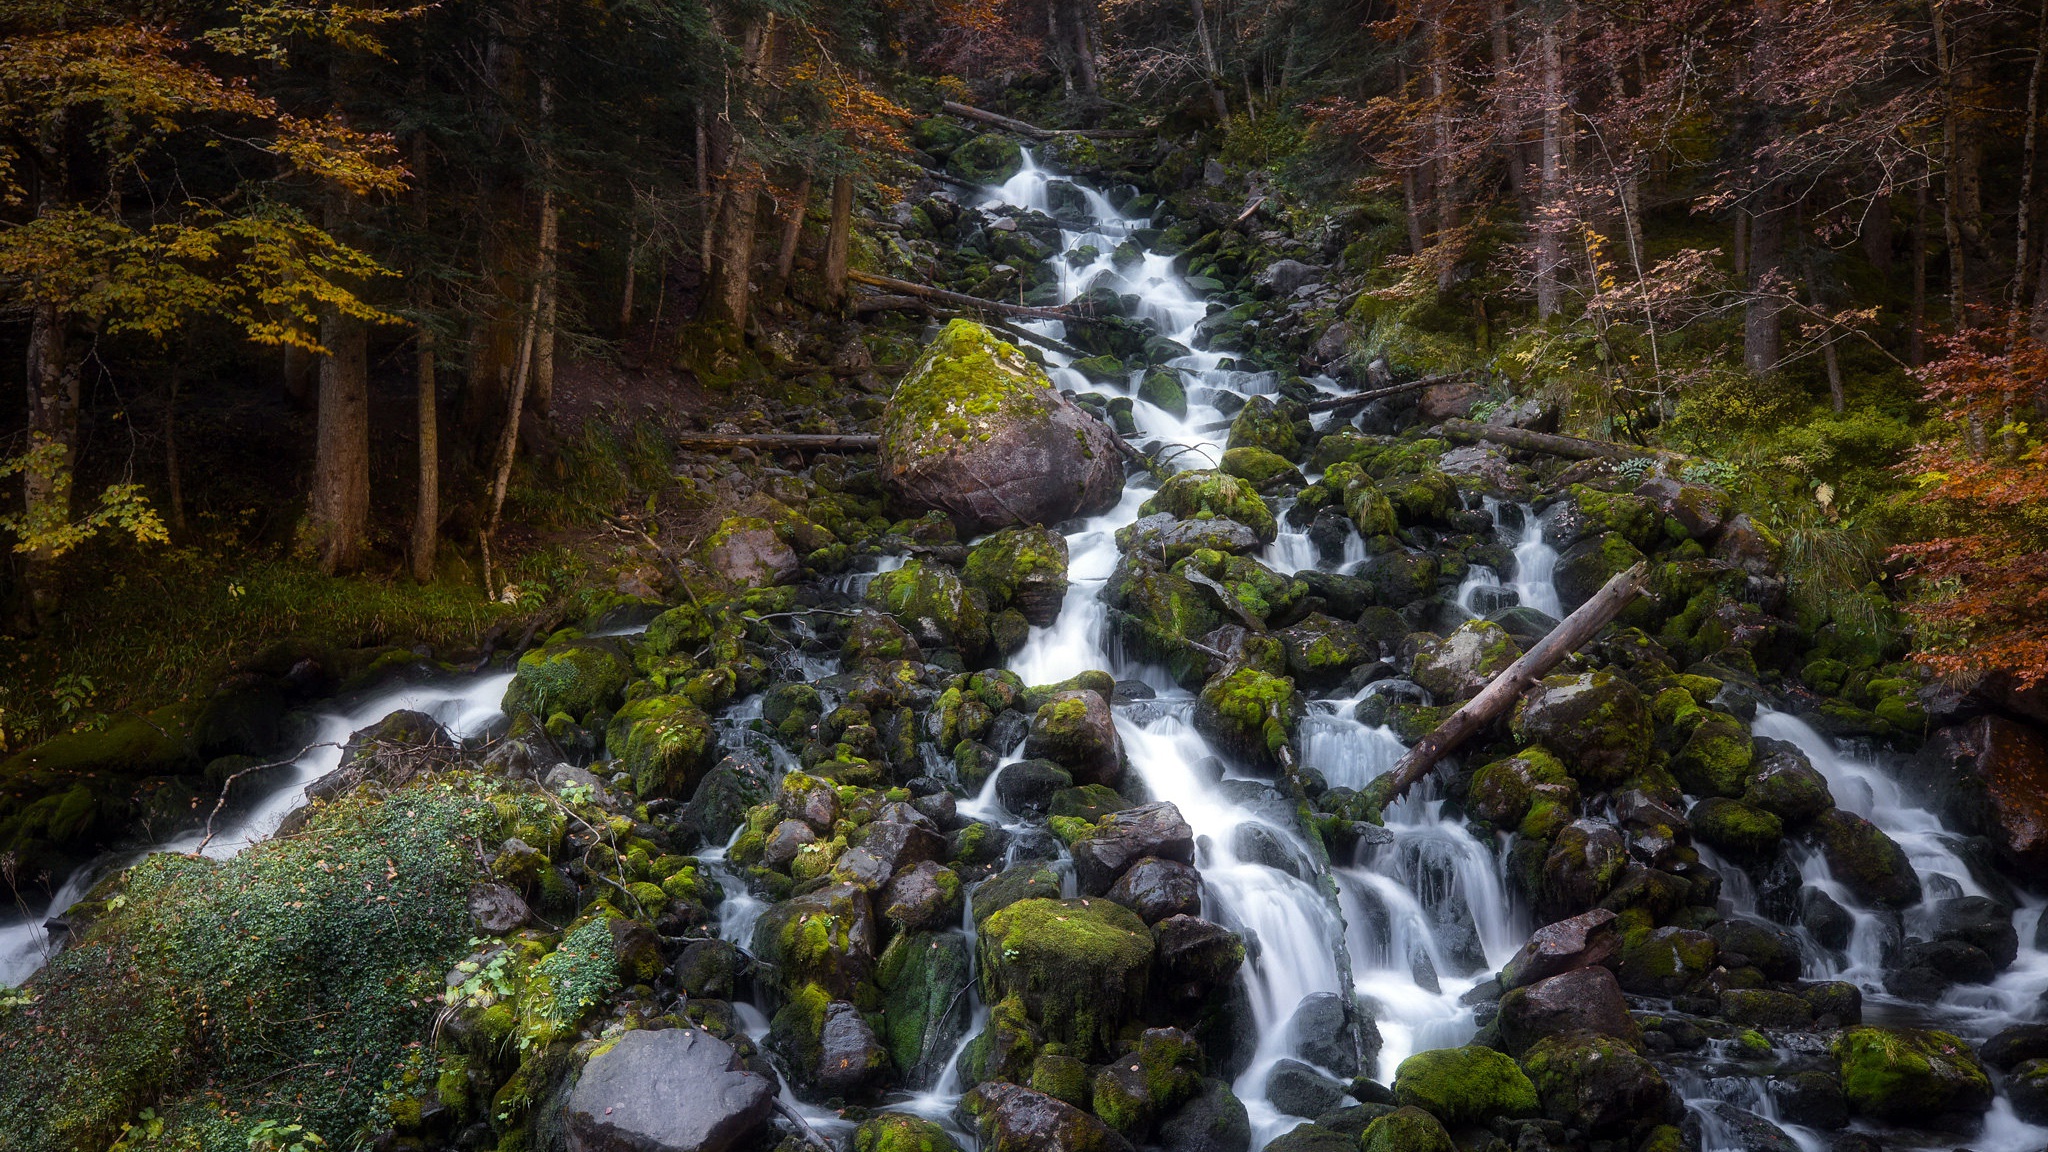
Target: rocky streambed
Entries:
(1057, 817)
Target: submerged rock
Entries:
(978, 431)
(677, 1090)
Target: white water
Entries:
(466, 707)
(1535, 563)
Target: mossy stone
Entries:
(935, 606)
(990, 158)
(1406, 1129)
(579, 677)
(1249, 714)
(1596, 723)
(1266, 471)
(1501, 792)
(1908, 1075)
(667, 744)
(1025, 567)
(901, 1132)
(1743, 831)
(1597, 1084)
(1469, 1085)
(1162, 386)
(1263, 424)
(922, 975)
(1716, 758)
(1201, 495)
(1080, 967)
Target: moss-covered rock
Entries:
(1246, 590)
(901, 1132)
(1203, 495)
(990, 158)
(976, 429)
(1136, 1090)
(1784, 783)
(1716, 757)
(1264, 424)
(1870, 863)
(1501, 792)
(1406, 1129)
(1455, 668)
(1162, 386)
(1597, 723)
(1909, 1075)
(1249, 714)
(1266, 471)
(922, 975)
(1584, 567)
(1021, 567)
(1597, 1084)
(1078, 966)
(1321, 650)
(1741, 830)
(1469, 1085)
(825, 938)
(1664, 961)
(579, 677)
(935, 606)
(665, 742)
(1422, 498)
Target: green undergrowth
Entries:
(283, 985)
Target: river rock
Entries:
(1025, 568)
(1453, 400)
(1201, 495)
(826, 937)
(2018, 1043)
(922, 896)
(1584, 863)
(1080, 967)
(1325, 1034)
(1121, 839)
(1156, 888)
(1457, 667)
(1575, 942)
(1167, 539)
(1989, 776)
(1699, 509)
(1405, 1130)
(1597, 723)
(1909, 1075)
(1015, 1119)
(746, 553)
(1076, 729)
(676, 1090)
(1598, 1084)
(978, 431)
(1469, 1085)
(1745, 1131)
(1214, 1121)
(1299, 1090)
(902, 1132)
(393, 752)
(1322, 650)
(1583, 1000)
(1867, 861)
(1195, 958)
(1785, 783)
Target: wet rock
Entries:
(1028, 881)
(1406, 1130)
(1322, 650)
(1835, 1003)
(1214, 1121)
(1469, 1085)
(1269, 472)
(1132, 1092)
(935, 606)
(902, 1132)
(1255, 843)
(1699, 509)
(1763, 1008)
(1163, 538)
(978, 431)
(745, 552)
(1156, 889)
(852, 1062)
(1123, 838)
(1867, 861)
(1586, 566)
(923, 976)
(1201, 495)
(1014, 1119)
(2027, 1088)
(1716, 757)
(1989, 776)
(576, 677)
(990, 159)
(677, 1090)
(708, 970)
(1585, 861)
(1666, 961)
(1753, 943)
(1597, 723)
(1312, 1138)
(826, 937)
(924, 895)
(1745, 1131)
(1784, 783)
(1079, 967)
(1503, 791)
(1597, 1084)
(1249, 715)
(899, 843)
(1829, 922)
(1741, 831)
(1299, 1090)
(1583, 1000)
(1908, 1075)
(1928, 968)
(785, 840)
(1025, 568)
(1196, 958)
(1457, 667)
(1325, 1035)
(1261, 423)
(1026, 788)
(1980, 922)
(1748, 545)
(1575, 942)
(2016, 1044)
(1811, 1098)
(1076, 730)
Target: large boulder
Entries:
(1582, 1000)
(577, 677)
(1597, 723)
(1024, 568)
(1785, 783)
(936, 606)
(1015, 1119)
(990, 158)
(1077, 968)
(666, 742)
(1699, 509)
(1322, 650)
(978, 431)
(1076, 730)
(1598, 1084)
(677, 1090)
(923, 976)
(1156, 889)
(1909, 1075)
(1120, 840)
(1870, 863)
(826, 937)
(746, 553)
(1455, 668)
(1406, 1130)
(1206, 495)
(1469, 1085)
(1214, 1121)
(1249, 714)
(1586, 566)
(1576, 942)
(1990, 776)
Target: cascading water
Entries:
(465, 707)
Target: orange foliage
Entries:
(1987, 580)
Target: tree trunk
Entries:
(1510, 110)
(2022, 264)
(792, 233)
(341, 459)
(1211, 74)
(173, 478)
(508, 442)
(1877, 234)
(542, 395)
(1551, 176)
(1836, 400)
(732, 283)
(1916, 333)
(426, 524)
(838, 241)
(1763, 312)
(1443, 174)
(53, 396)
(627, 289)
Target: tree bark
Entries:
(53, 396)
(1551, 175)
(1496, 698)
(426, 524)
(838, 241)
(731, 291)
(792, 233)
(1569, 447)
(1211, 74)
(1916, 334)
(341, 458)
(1763, 311)
(508, 443)
(173, 476)
(549, 264)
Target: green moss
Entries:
(899, 1132)
(1406, 1129)
(1264, 424)
(1252, 713)
(1063, 1078)
(930, 598)
(1203, 495)
(1266, 471)
(578, 677)
(1469, 1085)
(1716, 757)
(1501, 792)
(1908, 1074)
(1741, 830)
(1162, 387)
(1017, 559)
(1079, 966)
(990, 158)
(666, 743)
(966, 380)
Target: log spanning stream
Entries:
(1412, 925)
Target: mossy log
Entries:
(1354, 399)
(960, 299)
(778, 441)
(1498, 696)
(969, 112)
(1569, 447)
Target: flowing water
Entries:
(465, 706)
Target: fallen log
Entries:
(962, 300)
(1060, 346)
(1569, 447)
(862, 305)
(778, 441)
(1337, 403)
(1507, 687)
(1008, 124)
